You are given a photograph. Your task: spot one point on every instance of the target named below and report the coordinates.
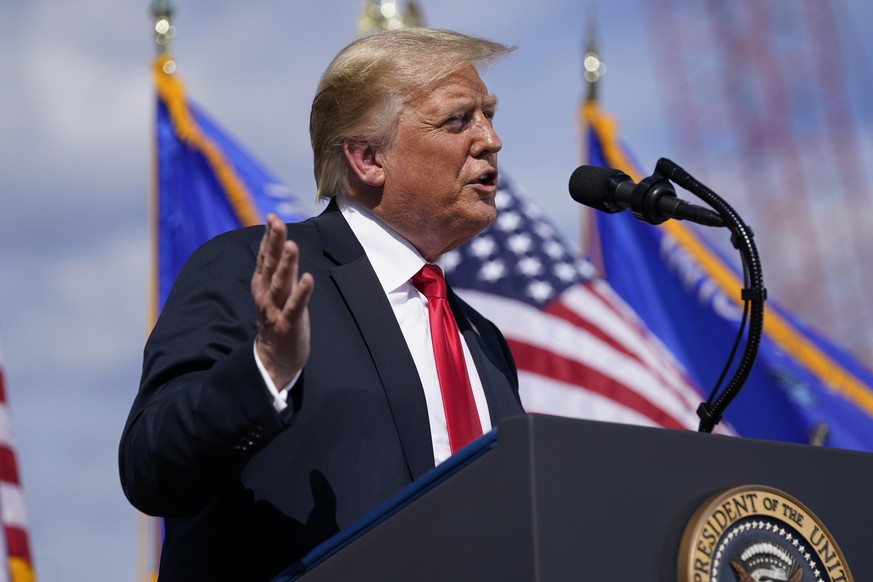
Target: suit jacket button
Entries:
(249, 440)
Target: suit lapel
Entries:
(357, 283)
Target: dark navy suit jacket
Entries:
(246, 490)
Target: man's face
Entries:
(441, 168)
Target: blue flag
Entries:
(803, 388)
(206, 184)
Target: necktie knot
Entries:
(429, 280)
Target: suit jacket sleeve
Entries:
(202, 408)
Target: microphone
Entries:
(653, 200)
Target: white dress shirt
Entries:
(395, 261)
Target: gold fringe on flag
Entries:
(776, 327)
(20, 570)
(172, 93)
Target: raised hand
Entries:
(281, 299)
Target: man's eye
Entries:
(456, 122)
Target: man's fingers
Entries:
(299, 298)
(262, 249)
(281, 299)
(269, 253)
(275, 243)
(286, 272)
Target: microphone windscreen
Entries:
(588, 185)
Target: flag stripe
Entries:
(594, 303)
(562, 310)
(545, 363)
(6, 438)
(17, 545)
(548, 396)
(12, 503)
(13, 516)
(8, 465)
(526, 325)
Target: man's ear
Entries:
(364, 161)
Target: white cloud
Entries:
(75, 131)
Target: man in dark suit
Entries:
(276, 408)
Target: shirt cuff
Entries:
(280, 397)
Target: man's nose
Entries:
(485, 141)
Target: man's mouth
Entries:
(488, 178)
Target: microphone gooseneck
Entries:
(654, 200)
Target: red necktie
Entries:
(462, 417)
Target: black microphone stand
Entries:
(754, 294)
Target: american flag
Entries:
(13, 517)
(581, 352)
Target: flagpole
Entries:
(148, 543)
(593, 69)
(162, 11)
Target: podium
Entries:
(553, 499)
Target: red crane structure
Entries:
(759, 94)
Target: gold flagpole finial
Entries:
(163, 10)
(379, 15)
(592, 67)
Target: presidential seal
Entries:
(755, 533)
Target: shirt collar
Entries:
(393, 257)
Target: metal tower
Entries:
(759, 97)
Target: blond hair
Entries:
(366, 86)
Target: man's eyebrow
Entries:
(490, 101)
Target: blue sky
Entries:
(75, 132)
